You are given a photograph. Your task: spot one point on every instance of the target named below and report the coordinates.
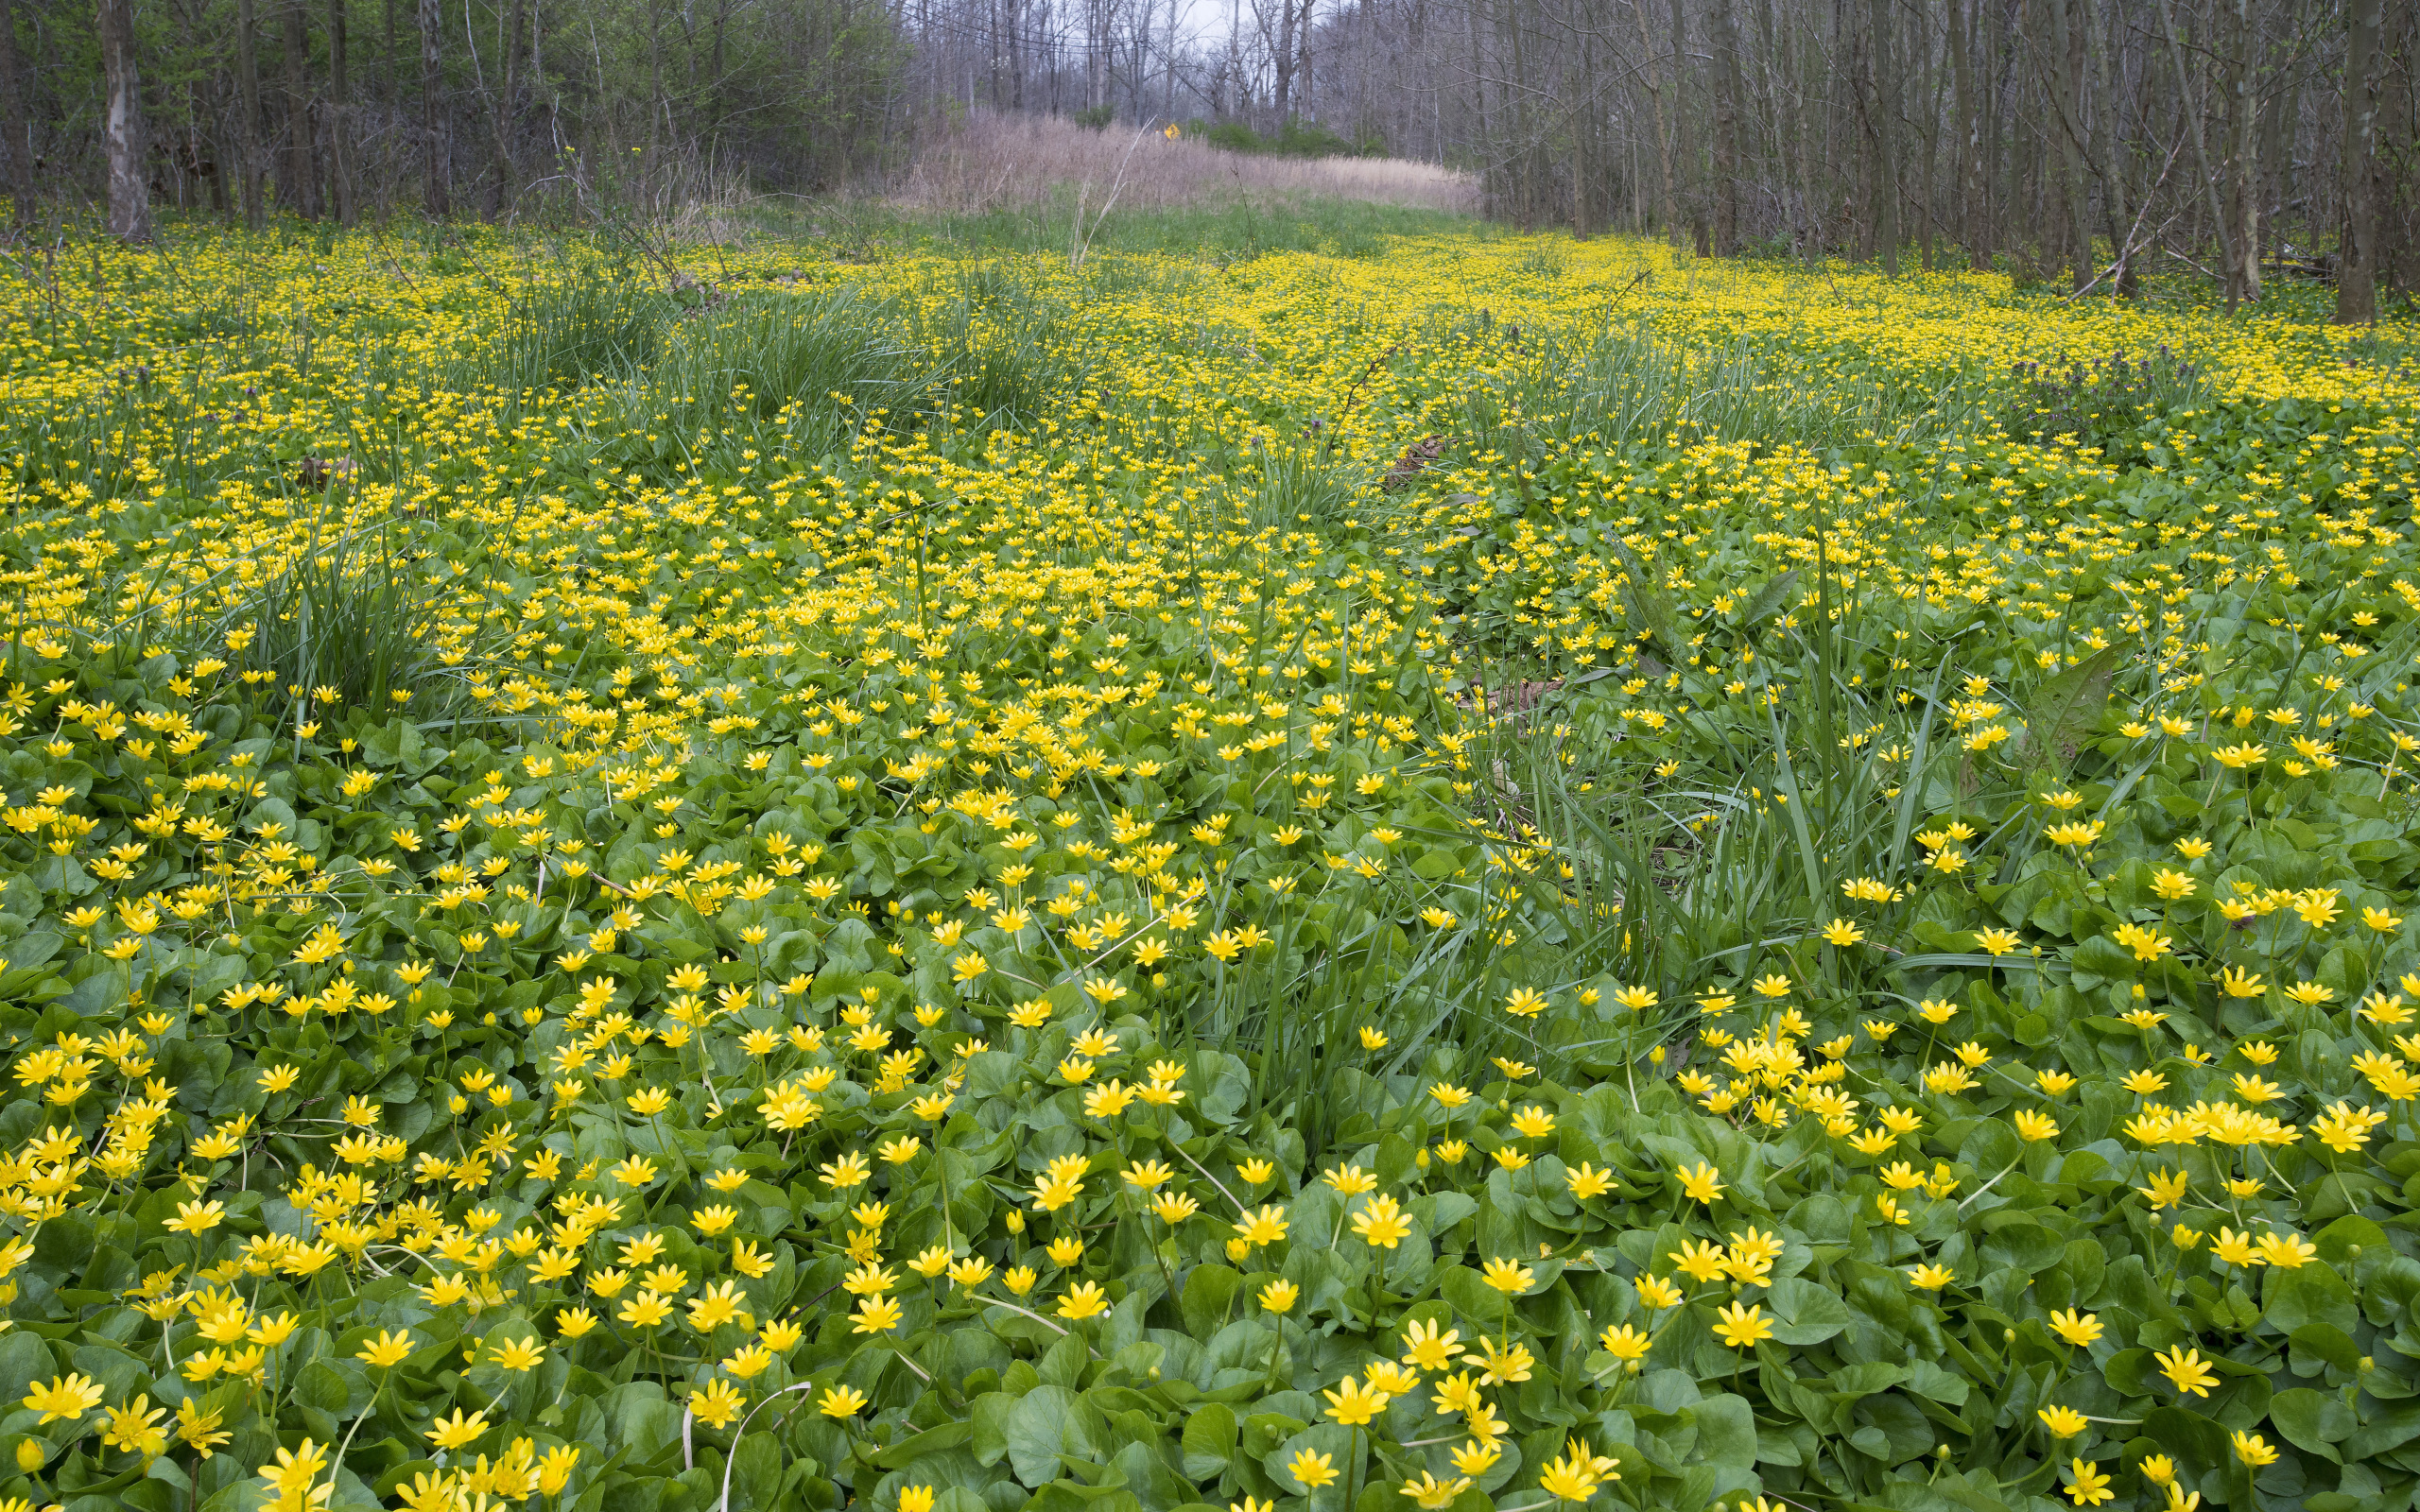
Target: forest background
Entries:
(2092, 142)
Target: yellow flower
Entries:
(2064, 1423)
(2075, 1326)
(2253, 1450)
(1576, 1476)
(2288, 1251)
(1354, 1405)
(1084, 1300)
(199, 1429)
(2185, 1371)
(1382, 1223)
(1701, 1184)
(1266, 1227)
(1498, 1369)
(68, 1396)
(1625, 1342)
(455, 1431)
(2034, 1128)
(1428, 1491)
(1701, 1260)
(2167, 1190)
(2087, 1485)
(1743, 1327)
(1533, 1123)
(1312, 1468)
(875, 1315)
(718, 1404)
(1508, 1277)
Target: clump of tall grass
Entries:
(1627, 384)
(799, 372)
(347, 622)
(1001, 352)
(803, 372)
(565, 334)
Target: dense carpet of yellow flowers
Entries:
(1504, 874)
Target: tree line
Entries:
(342, 108)
(2087, 141)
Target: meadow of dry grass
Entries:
(1000, 161)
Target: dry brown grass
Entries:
(999, 162)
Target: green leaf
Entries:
(317, 1385)
(1771, 600)
(2326, 1342)
(1209, 1296)
(2313, 1420)
(1726, 1432)
(2062, 711)
(1049, 1421)
(1645, 595)
(2306, 1294)
(1807, 1313)
(1209, 1441)
(2393, 1428)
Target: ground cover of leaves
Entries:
(1044, 921)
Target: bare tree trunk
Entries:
(16, 152)
(1284, 60)
(1523, 157)
(2070, 21)
(1991, 151)
(1685, 145)
(2109, 145)
(1580, 116)
(1932, 113)
(432, 58)
(501, 111)
(1726, 129)
(2395, 150)
(301, 161)
(1478, 80)
(2280, 186)
(2194, 135)
(248, 115)
(1671, 208)
(2243, 163)
(1308, 93)
(1883, 102)
(122, 133)
(339, 159)
(1963, 145)
(2357, 257)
